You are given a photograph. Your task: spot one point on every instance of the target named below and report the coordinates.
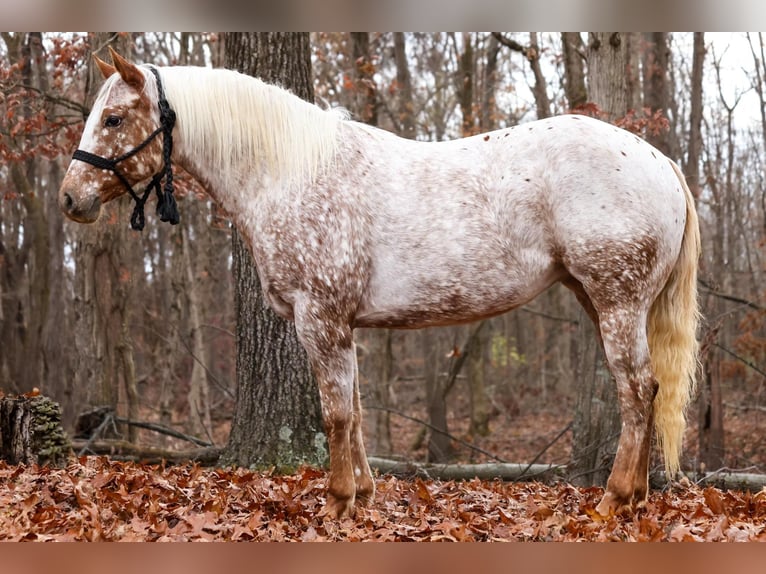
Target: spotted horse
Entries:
(351, 226)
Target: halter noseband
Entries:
(167, 209)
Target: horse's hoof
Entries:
(365, 498)
(611, 504)
(338, 508)
(365, 491)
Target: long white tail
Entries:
(672, 330)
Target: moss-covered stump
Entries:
(30, 431)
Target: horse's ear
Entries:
(128, 71)
(106, 69)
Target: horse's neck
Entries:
(239, 136)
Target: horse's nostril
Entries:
(68, 201)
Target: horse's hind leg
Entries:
(623, 332)
(365, 485)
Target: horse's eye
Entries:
(112, 121)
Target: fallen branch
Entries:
(124, 450)
(730, 480)
(164, 430)
(485, 471)
(551, 473)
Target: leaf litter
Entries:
(98, 499)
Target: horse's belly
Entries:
(448, 301)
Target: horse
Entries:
(351, 226)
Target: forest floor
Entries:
(96, 498)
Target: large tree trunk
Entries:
(607, 78)
(277, 418)
(28, 267)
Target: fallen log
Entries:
(124, 450)
(548, 473)
(727, 480)
(485, 471)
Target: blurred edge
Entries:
(408, 15)
(396, 558)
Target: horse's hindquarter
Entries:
(474, 227)
(618, 207)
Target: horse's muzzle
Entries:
(82, 210)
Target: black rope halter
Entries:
(167, 209)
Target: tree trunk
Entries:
(31, 433)
(198, 400)
(488, 97)
(439, 444)
(28, 284)
(540, 89)
(692, 167)
(380, 373)
(634, 47)
(404, 83)
(477, 388)
(277, 418)
(607, 79)
(574, 74)
(464, 86)
(596, 425)
(711, 430)
(656, 92)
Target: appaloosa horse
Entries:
(351, 226)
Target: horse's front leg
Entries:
(365, 484)
(330, 350)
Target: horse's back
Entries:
(477, 226)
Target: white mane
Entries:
(230, 119)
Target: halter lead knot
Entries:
(167, 208)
